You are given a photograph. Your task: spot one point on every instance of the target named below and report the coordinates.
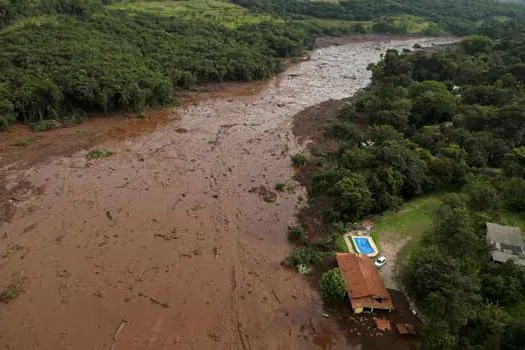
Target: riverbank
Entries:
(166, 240)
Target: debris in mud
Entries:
(117, 332)
(156, 302)
(169, 237)
(216, 337)
(264, 193)
(197, 251)
(181, 130)
(108, 214)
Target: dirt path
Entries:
(166, 245)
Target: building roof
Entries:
(405, 329)
(363, 282)
(508, 235)
(507, 243)
(382, 324)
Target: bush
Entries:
(303, 256)
(296, 233)
(280, 187)
(44, 125)
(98, 153)
(299, 160)
(23, 142)
(333, 287)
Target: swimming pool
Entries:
(365, 245)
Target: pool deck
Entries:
(348, 238)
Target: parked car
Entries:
(380, 262)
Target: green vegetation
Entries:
(340, 244)
(435, 148)
(63, 59)
(332, 286)
(11, 292)
(280, 187)
(412, 219)
(299, 160)
(303, 256)
(460, 17)
(44, 125)
(23, 142)
(98, 154)
(296, 233)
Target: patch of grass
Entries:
(23, 142)
(375, 238)
(340, 244)
(280, 187)
(141, 115)
(45, 125)
(413, 219)
(11, 292)
(14, 248)
(223, 13)
(299, 160)
(98, 154)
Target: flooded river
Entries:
(168, 244)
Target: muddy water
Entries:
(168, 244)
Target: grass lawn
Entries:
(340, 245)
(413, 219)
(221, 12)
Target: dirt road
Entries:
(167, 244)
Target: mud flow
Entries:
(172, 242)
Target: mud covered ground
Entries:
(166, 244)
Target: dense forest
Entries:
(448, 123)
(61, 59)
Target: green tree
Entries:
(353, 196)
(483, 196)
(477, 44)
(514, 164)
(332, 286)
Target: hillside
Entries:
(63, 59)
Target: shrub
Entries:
(296, 233)
(11, 292)
(303, 256)
(299, 160)
(317, 151)
(23, 142)
(333, 287)
(280, 186)
(98, 153)
(44, 125)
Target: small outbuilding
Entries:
(364, 285)
(405, 329)
(506, 243)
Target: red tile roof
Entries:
(364, 285)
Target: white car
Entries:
(380, 262)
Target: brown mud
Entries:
(162, 245)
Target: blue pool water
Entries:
(363, 245)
